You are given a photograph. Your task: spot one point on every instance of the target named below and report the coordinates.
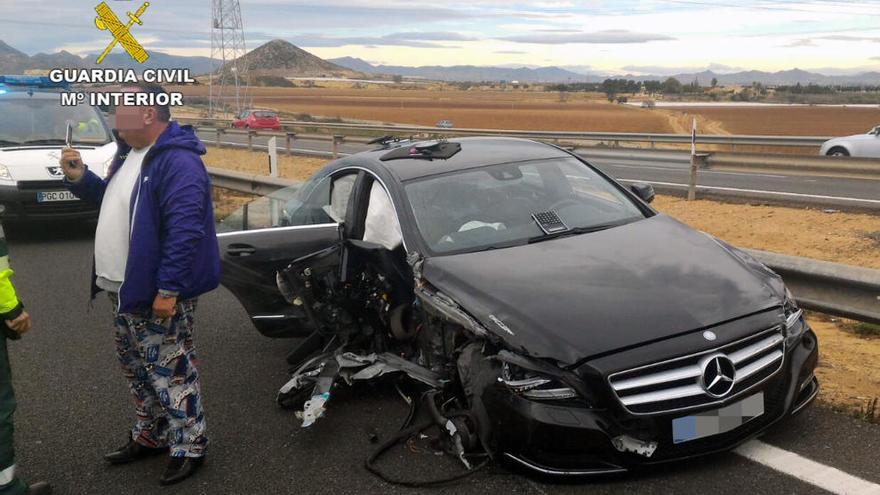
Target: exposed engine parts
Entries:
(375, 319)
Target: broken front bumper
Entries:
(570, 440)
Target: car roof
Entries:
(475, 152)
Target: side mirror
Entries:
(644, 191)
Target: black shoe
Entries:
(132, 451)
(180, 468)
(40, 488)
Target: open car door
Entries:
(264, 236)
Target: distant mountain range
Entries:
(462, 73)
(13, 61)
(559, 75)
(283, 59)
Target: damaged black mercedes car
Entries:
(551, 317)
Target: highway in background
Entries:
(670, 174)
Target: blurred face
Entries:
(136, 124)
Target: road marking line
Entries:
(759, 191)
(812, 472)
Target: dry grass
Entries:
(226, 201)
(849, 367)
(837, 237)
(254, 162)
(257, 163)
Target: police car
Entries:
(33, 130)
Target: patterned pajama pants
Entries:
(159, 361)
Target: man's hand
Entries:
(164, 307)
(72, 164)
(20, 325)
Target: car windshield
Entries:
(492, 207)
(44, 121)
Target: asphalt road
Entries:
(673, 175)
(74, 406)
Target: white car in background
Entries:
(862, 145)
(33, 127)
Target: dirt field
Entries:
(785, 121)
(538, 110)
(479, 109)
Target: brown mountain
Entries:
(12, 61)
(281, 58)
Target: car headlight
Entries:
(4, 173)
(794, 319)
(531, 385)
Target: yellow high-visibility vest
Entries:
(8, 299)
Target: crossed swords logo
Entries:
(107, 21)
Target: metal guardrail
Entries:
(832, 288)
(611, 137)
(289, 140)
(260, 185)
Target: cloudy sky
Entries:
(620, 36)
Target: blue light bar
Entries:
(32, 82)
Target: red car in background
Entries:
(257, 119)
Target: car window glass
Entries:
(382, 225)
(318, 201)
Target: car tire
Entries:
(837, 151)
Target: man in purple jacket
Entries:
(155, 253)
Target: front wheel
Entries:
(837, 151)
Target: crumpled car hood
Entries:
(573, 298)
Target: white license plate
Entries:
(53, 196)
(718, 421)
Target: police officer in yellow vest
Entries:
(18, 322)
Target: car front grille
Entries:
(675, 384)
